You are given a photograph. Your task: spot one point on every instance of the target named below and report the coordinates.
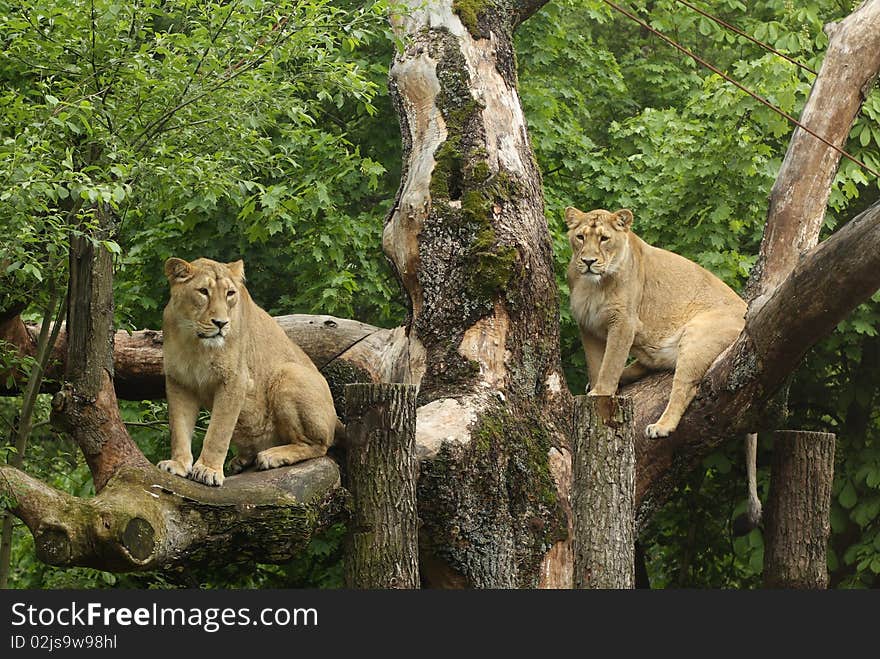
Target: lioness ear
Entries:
(236, 269)
(623, 219)
(572, 217)
(178, 270)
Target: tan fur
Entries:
(264, 393)
(631, 298)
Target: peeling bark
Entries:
(468, 238)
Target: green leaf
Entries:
(848, 496)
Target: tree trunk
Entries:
(86, 406)
(798, 508)
(800, 193)
(603, 493)
(382, 546)
(468, 240)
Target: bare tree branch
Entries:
(800, 194)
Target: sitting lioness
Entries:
(224, 353)
(666, 311)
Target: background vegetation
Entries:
(263, 131)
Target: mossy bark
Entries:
(797, 519)
(470, 242)
(381, 471)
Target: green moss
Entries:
(493, 495)
(469, 12)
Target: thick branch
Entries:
(800, 194)
(334, 344)
(146, 519)
(824, 288)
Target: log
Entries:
(346, 351)
(146, 519)
(603, 492)
(382, 545)
(798, 508)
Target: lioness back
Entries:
(225, 353)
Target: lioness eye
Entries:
(204, 291)
(603, 239)
(580, 238)
(230, 293)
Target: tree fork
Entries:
(798, 508)
(603, 492)
(381, 468)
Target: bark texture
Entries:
(381, 471)
(798, 508)
(86, 406)
(603, 492)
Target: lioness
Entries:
(668, 312)
(224, 353)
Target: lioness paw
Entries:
(238, 464)
(206, 475)
(280, 456)
(657, 430)
(175, 467)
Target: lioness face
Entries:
(205, 294)
(598, 239)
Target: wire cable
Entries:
(733, 28)
(740, 86)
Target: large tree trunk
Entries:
(468, 239)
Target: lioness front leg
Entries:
(617, 347)
(594, 351)
(183, 410)
(208, 469)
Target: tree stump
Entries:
(382, 545)
(603, 492)
(798, 506)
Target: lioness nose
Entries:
(589, 262)
(220, 323)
